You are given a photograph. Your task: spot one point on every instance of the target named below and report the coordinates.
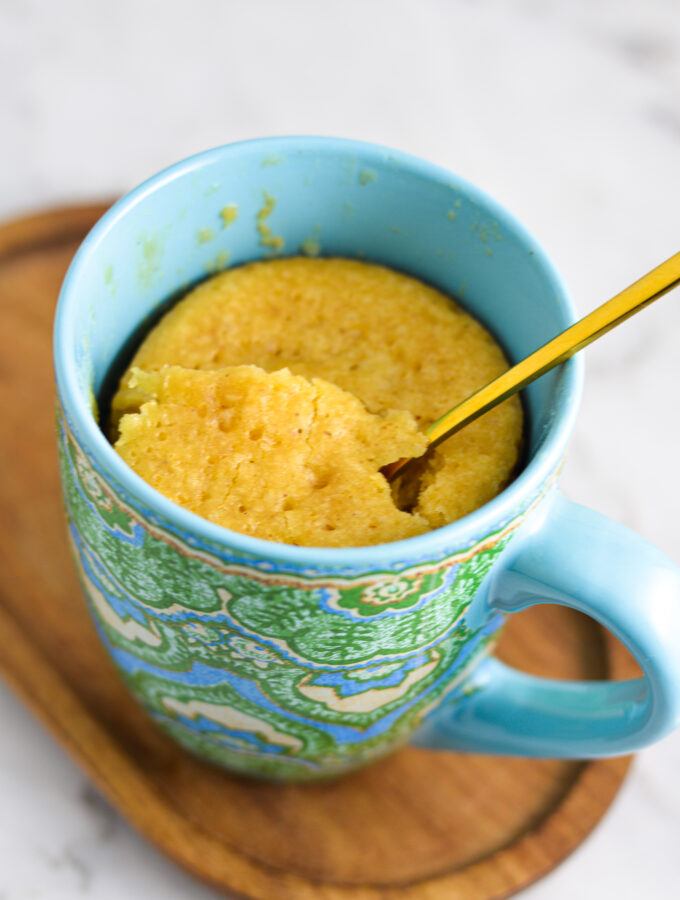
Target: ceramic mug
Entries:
(293, 663)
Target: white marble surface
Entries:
(568, 112)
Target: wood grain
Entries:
(417, 826)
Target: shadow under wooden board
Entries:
(417, 826)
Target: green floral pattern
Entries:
(270, 671)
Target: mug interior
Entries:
(343, 198)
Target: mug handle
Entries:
(578, 558)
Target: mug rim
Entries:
(455, 535)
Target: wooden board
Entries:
(417, 826)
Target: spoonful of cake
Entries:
(637, 296)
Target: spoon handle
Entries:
(641, 293)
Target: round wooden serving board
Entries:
(417, 826)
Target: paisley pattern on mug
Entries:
(263, 669)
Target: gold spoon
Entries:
(601, 320)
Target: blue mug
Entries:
(294, 663)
